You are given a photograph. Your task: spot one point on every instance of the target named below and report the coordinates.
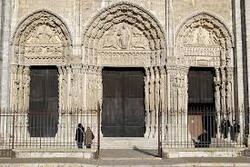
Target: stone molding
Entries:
(119, 28)
(203, 40)
(41, 39)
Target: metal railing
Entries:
(202, 128)
(42, 131)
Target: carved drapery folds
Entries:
(20, 89)
(155, 92)
(176, 124)
(224, 105)
(124, 35)
(94, 87)
(80, 88)
(41, 39)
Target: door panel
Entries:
(123, 103)
(201, 118)
(43, 105)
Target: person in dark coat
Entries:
(225, 127)
(235, 130)
(79, 138)
(89, 136)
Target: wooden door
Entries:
(43, 105)
(201, 115)
(123, 103)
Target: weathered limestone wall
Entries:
(89, 43)
(247, 57)
(6, 21)
(185, 8)
(1, 44)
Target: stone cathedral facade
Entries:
(163, 38)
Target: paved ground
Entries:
(165, 162)
(124, 158)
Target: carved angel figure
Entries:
(110, 40)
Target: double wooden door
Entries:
(123, 103)
(43, 102)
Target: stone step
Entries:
(55, 153)
(128, 154)
(219, 142)
(127, 143)
(246, 152)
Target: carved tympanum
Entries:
(42, 38)
(43, 42)
(124, 37)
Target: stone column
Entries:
(217, 85)
(147, 93)
(177, 127)
(223, 92)
(157, 98)
(152, 103)
(163, 99)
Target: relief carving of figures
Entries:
(109, 40)
(124, 37)
(63, 89)
(138, 39)
(201, 36)
(42, 38)
(203, 32)
(20, 88)
(43, 41)
(26, 88)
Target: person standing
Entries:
(89, 136)
(79, 137)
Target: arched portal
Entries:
(126, 35)
(41, 45)
(203, 41)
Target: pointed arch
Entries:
(126, 30)
(41, 38)
(205, 35)
(206, 17)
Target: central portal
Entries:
(123, 111)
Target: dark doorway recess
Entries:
(123, 111)
(201, 105)
(43, 102)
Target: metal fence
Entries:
(202, 128)
(41, 131)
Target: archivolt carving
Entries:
(207, 38)
(41, 38)
(123, 28)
